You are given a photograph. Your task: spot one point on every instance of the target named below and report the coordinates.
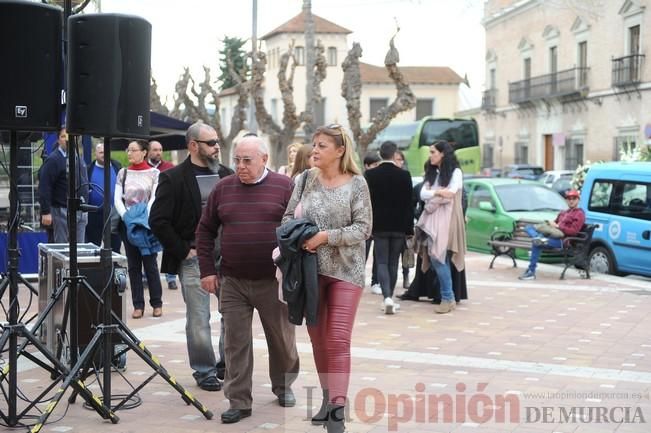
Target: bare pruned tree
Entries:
(182, 102)
(197, 106)
(279, 136)
(351, 90)
(154, 98)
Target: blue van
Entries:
(616, 196)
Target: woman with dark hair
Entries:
(335, 198)
(135, 190)
(441, 225)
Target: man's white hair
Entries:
(263, 149)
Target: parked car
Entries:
(495, 203)
(562, 185)
(522, 171)
(617, 198)
(549, 177)
(491, 172)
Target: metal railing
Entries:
(561, 83)
(489, 100)
(627, 70)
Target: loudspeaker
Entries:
(31, 76)
(109, 62)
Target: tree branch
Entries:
(405, 98)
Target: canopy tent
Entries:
(168, 130)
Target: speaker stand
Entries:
(14, 330)
(113, 325)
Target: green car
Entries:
(495, 203)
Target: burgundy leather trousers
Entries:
(338, 302)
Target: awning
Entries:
(168, 130)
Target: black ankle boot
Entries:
(336, 418)
(321, 416)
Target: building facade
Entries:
(564, 84)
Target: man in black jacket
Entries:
(393, 218)
(53, 192)
(182, 192)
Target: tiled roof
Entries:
(297, 25)
(413, 74)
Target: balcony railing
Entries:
(563, 83)
(489, 100)
(627, 70)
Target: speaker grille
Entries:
(109, 67)
(31, 76)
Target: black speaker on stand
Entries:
(30, 100)
(108, 95)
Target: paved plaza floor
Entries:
(568, 356)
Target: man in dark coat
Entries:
(182, 192)
(53, 192)
(393, 218)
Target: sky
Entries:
(432, 32)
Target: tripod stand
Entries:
(14, 330)
(114, 326)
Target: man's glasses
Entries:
(209, 143)
(246, 160)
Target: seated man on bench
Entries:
(550, 235)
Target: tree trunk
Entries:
(310, 61)
(351, 90)
(279, 137)
(187, 109)
(154, 99)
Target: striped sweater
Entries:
(248, 215)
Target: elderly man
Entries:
(247, 208)
(182, 192)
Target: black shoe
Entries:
(234, 415)
(172, 285)
(407, 297)
(221, 373)
(211, 384)
(321, 417)
(287, 399)
(335, 422)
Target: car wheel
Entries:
(601, 261)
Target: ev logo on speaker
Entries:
(21, 111)
(140, 121)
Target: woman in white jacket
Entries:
(139, 186)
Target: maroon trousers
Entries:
(338, 302)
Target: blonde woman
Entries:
(291, 156)
(302, 161)
(337, 200)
